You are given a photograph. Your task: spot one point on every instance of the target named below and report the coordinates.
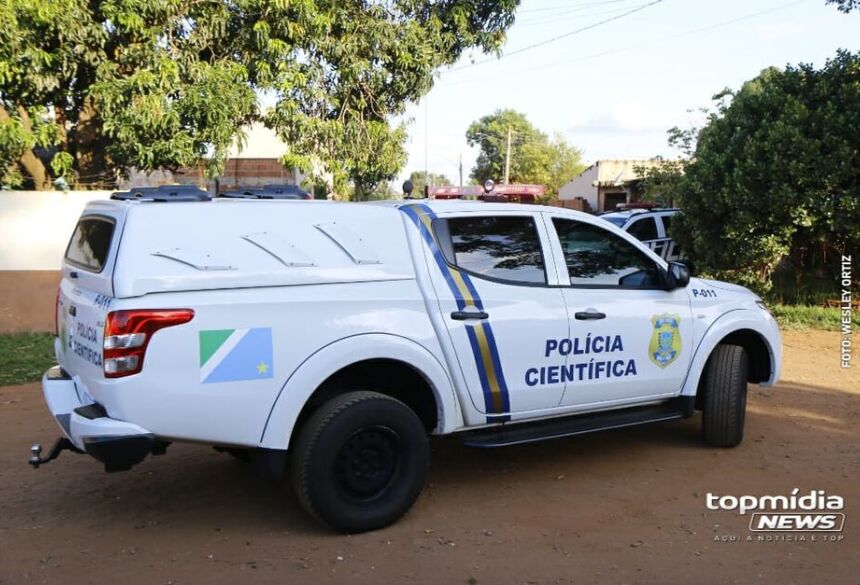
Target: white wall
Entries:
(35, 226)
(582, 186)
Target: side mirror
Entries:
(679, 275)
(689, 264)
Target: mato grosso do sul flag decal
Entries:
(233, 355)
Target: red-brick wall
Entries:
(238, 173)
(248, 172)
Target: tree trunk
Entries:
(33, 167)
(360, 192)
(89, 145)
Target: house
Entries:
(254, 163)
(607, 183)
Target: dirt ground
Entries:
(615, 507)
(27, 300)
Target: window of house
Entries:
(505, 248)
(596, 257)
(611, 200)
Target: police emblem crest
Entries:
(665, 344)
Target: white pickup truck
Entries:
(329, 340)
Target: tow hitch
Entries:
(61, 445)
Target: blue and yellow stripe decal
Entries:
(484, 348)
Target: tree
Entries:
(774, 175)
(490, 134)
(89, 88)
(845, 6)
(534, 158)
(564, 164)
(433, 179)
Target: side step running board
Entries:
(516, 434)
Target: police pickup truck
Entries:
(326, 341)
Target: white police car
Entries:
(328, 340)
(650, 226)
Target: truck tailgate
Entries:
(85, 294)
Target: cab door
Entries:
(672, 251)
(630, 338)
(493, 280)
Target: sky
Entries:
(613, 90)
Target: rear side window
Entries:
(667, 222)
(644, 229)
(505, 248)
(90, 243)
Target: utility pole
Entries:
(461, 169)
(508, 157)
(426, 145)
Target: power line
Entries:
(578, 12)
(583, 10)
(644, 44)
(561, 18)
(564, 7)
(560, 37)
(582, 29)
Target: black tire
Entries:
(360, 461)
(725, 396)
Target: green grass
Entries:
(804, 317)
(24, 357)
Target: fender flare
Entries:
(727, 323)
(327, 360)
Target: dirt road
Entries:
(617, 507)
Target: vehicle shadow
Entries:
(195, 490)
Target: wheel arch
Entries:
(361, 362)
(757, 350)
(744, 328)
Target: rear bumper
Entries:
(117, 444)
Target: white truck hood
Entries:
(729, 287)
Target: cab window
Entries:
(643, 229)
(505, 248)
(598, 258)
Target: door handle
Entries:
(463, 315)
(589, 315)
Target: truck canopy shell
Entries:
(224, 244)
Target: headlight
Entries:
(763, 307)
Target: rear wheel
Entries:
(360, 461)
(725, 396)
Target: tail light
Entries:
(127, 335)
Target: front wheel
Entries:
(360, 461)
(725, 396)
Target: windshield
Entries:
(618, 220)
